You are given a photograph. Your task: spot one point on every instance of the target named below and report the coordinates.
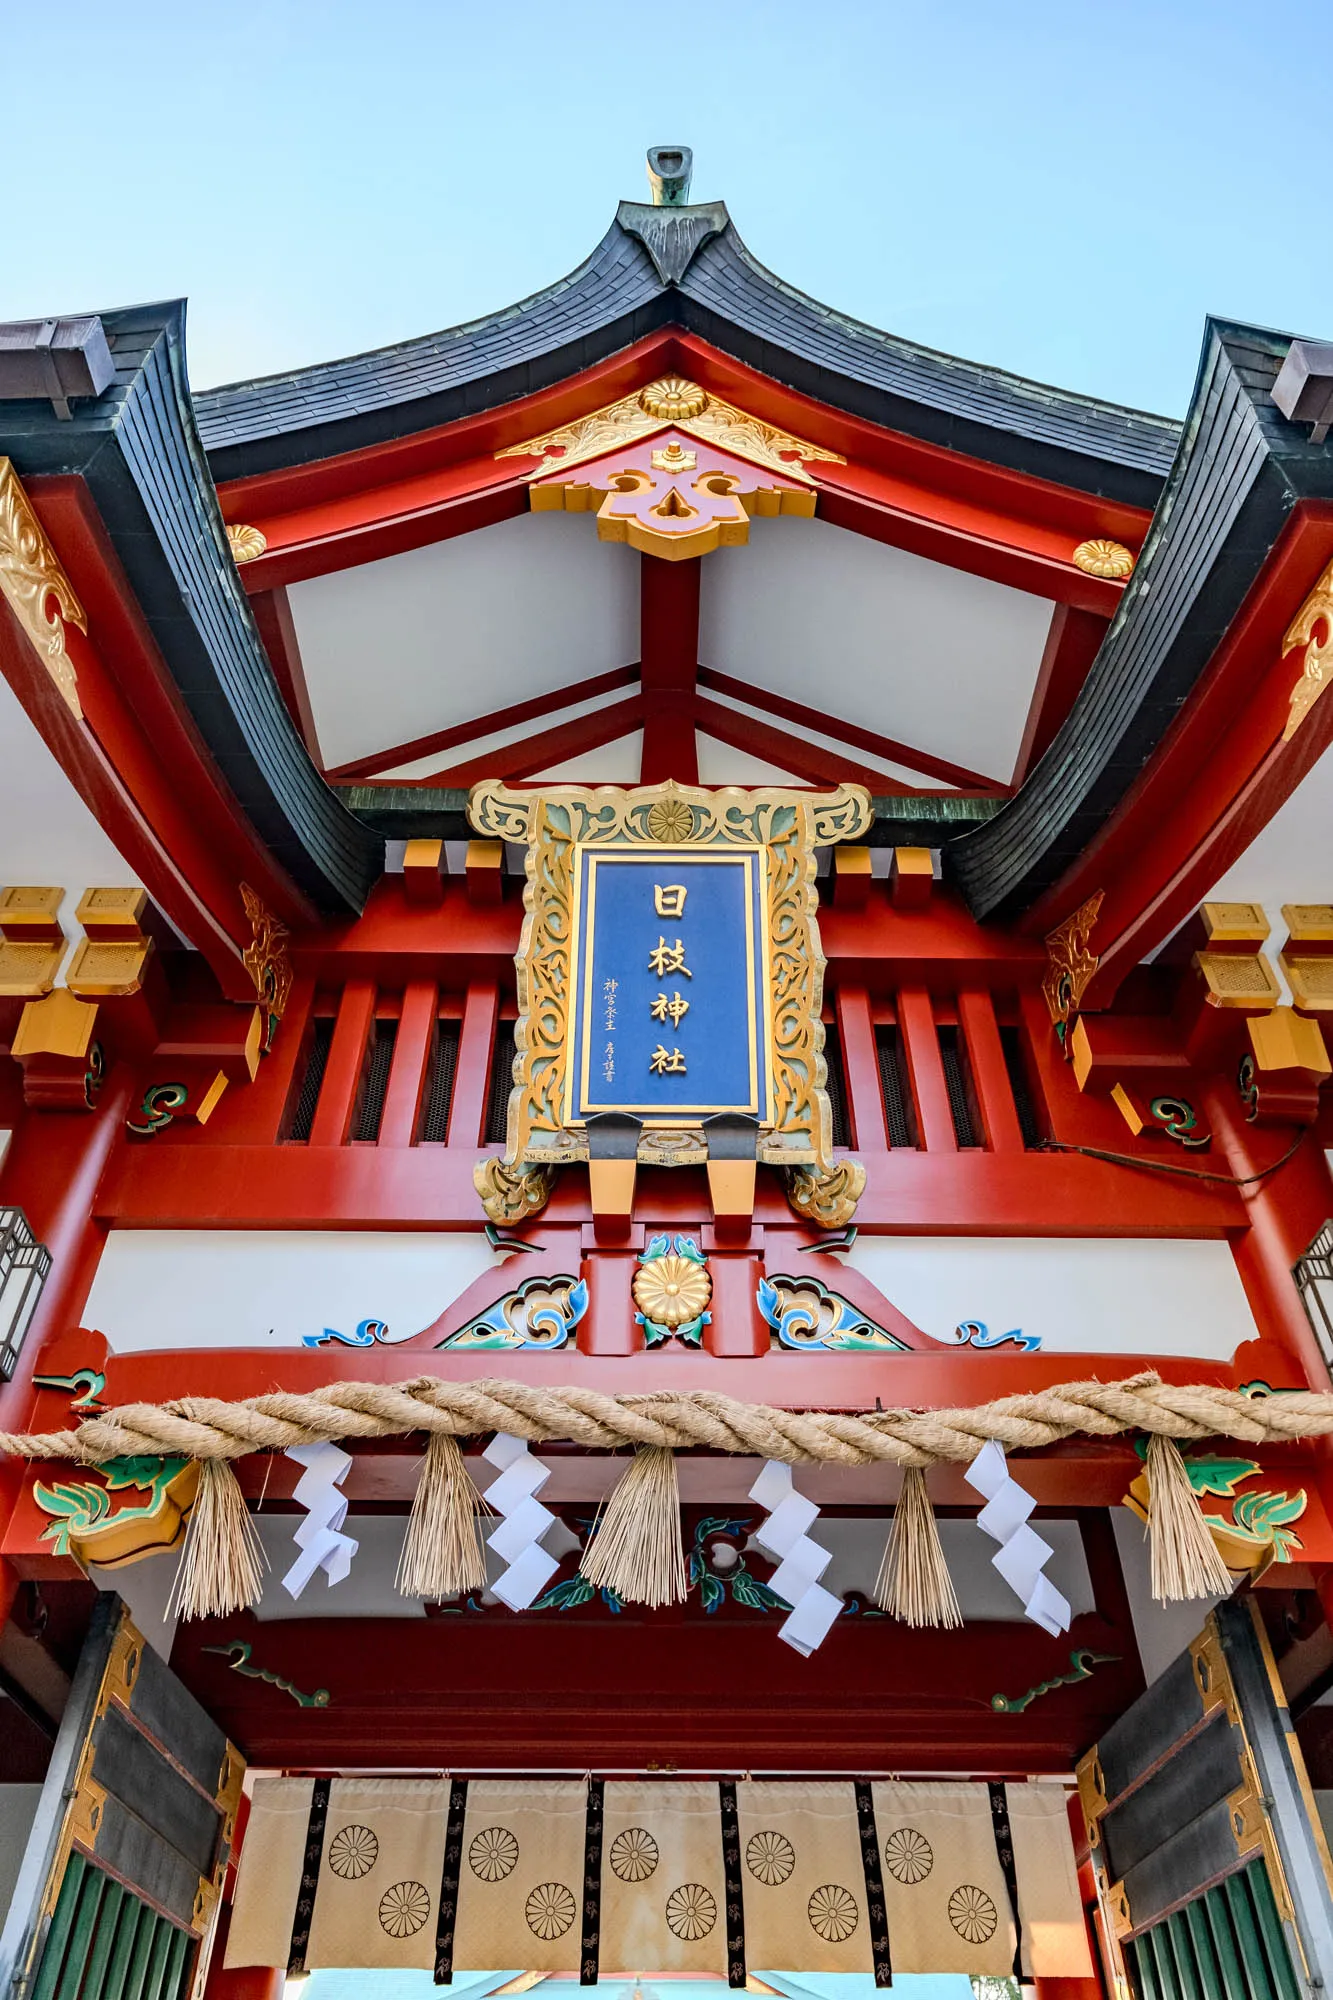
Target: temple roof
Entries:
(685, 267)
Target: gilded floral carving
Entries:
(35, 587)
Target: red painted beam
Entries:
(476, 1044)
(923, 761)
(357, 506)
(1071, 647)
(134, 757)
(669, 648)
(485, 725)
(808, 761)
(537, 753)
(1215, 781)
(277, 629)
(410, 1187)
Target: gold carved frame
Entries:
(787, 827)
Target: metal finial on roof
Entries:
(669, 170)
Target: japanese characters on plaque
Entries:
(670, 983)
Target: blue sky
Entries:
(1063, 190)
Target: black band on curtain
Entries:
(590, 1953)
(1004, 1848)
(877, 1914)
(731, 1875)
(446, 1916)
(314, 1854)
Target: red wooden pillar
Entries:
(55, 1162)
(976, 1019)
(860, 1062)
(347, 1055)
(1285, 1212)
(411, 1057)
(916, 1021)
(476, 1040)
(668, 664)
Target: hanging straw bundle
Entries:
(914, 1582)
(221, 1569)
(1185, 1558)
(634, 1550)
(443, 1553)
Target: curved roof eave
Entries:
(1240, 469)
(137, 449)
(687, 267)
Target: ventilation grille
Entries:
(958, 1083)
(1029, 1124)
(316, 1062)
(899, 1110)
(502, 1082)
(370, 1109)
(837, 1085)
(440, 1091)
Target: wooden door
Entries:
(119, 1888)
(1213, 1877)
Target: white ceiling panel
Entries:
(617, 763)
(394, 650)
(49, 838)
(927, 655)
(719, 764)
(1291, 860)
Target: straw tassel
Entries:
(221, 1569)
(914, 1582)
(1185, 1558)
(634, 1550)
(443, 1554)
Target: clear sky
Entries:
(1061, 189)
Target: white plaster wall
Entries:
(167, 1288)
(1081, 1295)
(18, 1807)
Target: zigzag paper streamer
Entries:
(800, 1561)
(518, 1539)
(319, 1536)
(1022, 1554)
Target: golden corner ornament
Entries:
(669, 974)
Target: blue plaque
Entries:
(670, 985)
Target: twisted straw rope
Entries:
(207, 1428)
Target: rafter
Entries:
(828, 724)
(809, 761)
(534, 753)
(486, 725)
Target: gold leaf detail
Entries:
(672, 1290)
(245, 543)
(673, 398)
(1070, 962)
(1100, 558)
(1318, 662)
(715, 422)
(512, 1194)
(31, 577)
(827, 1195)
(267, 959)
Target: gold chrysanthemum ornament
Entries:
(671, 821)
(1102, 558)
(672, 1290)
(674, 398)
(245, 542)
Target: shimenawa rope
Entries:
(208, 1428)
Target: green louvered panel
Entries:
(1227, 1945)
(106, 1944)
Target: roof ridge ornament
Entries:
(669, 172)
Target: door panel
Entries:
(119, 1887)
